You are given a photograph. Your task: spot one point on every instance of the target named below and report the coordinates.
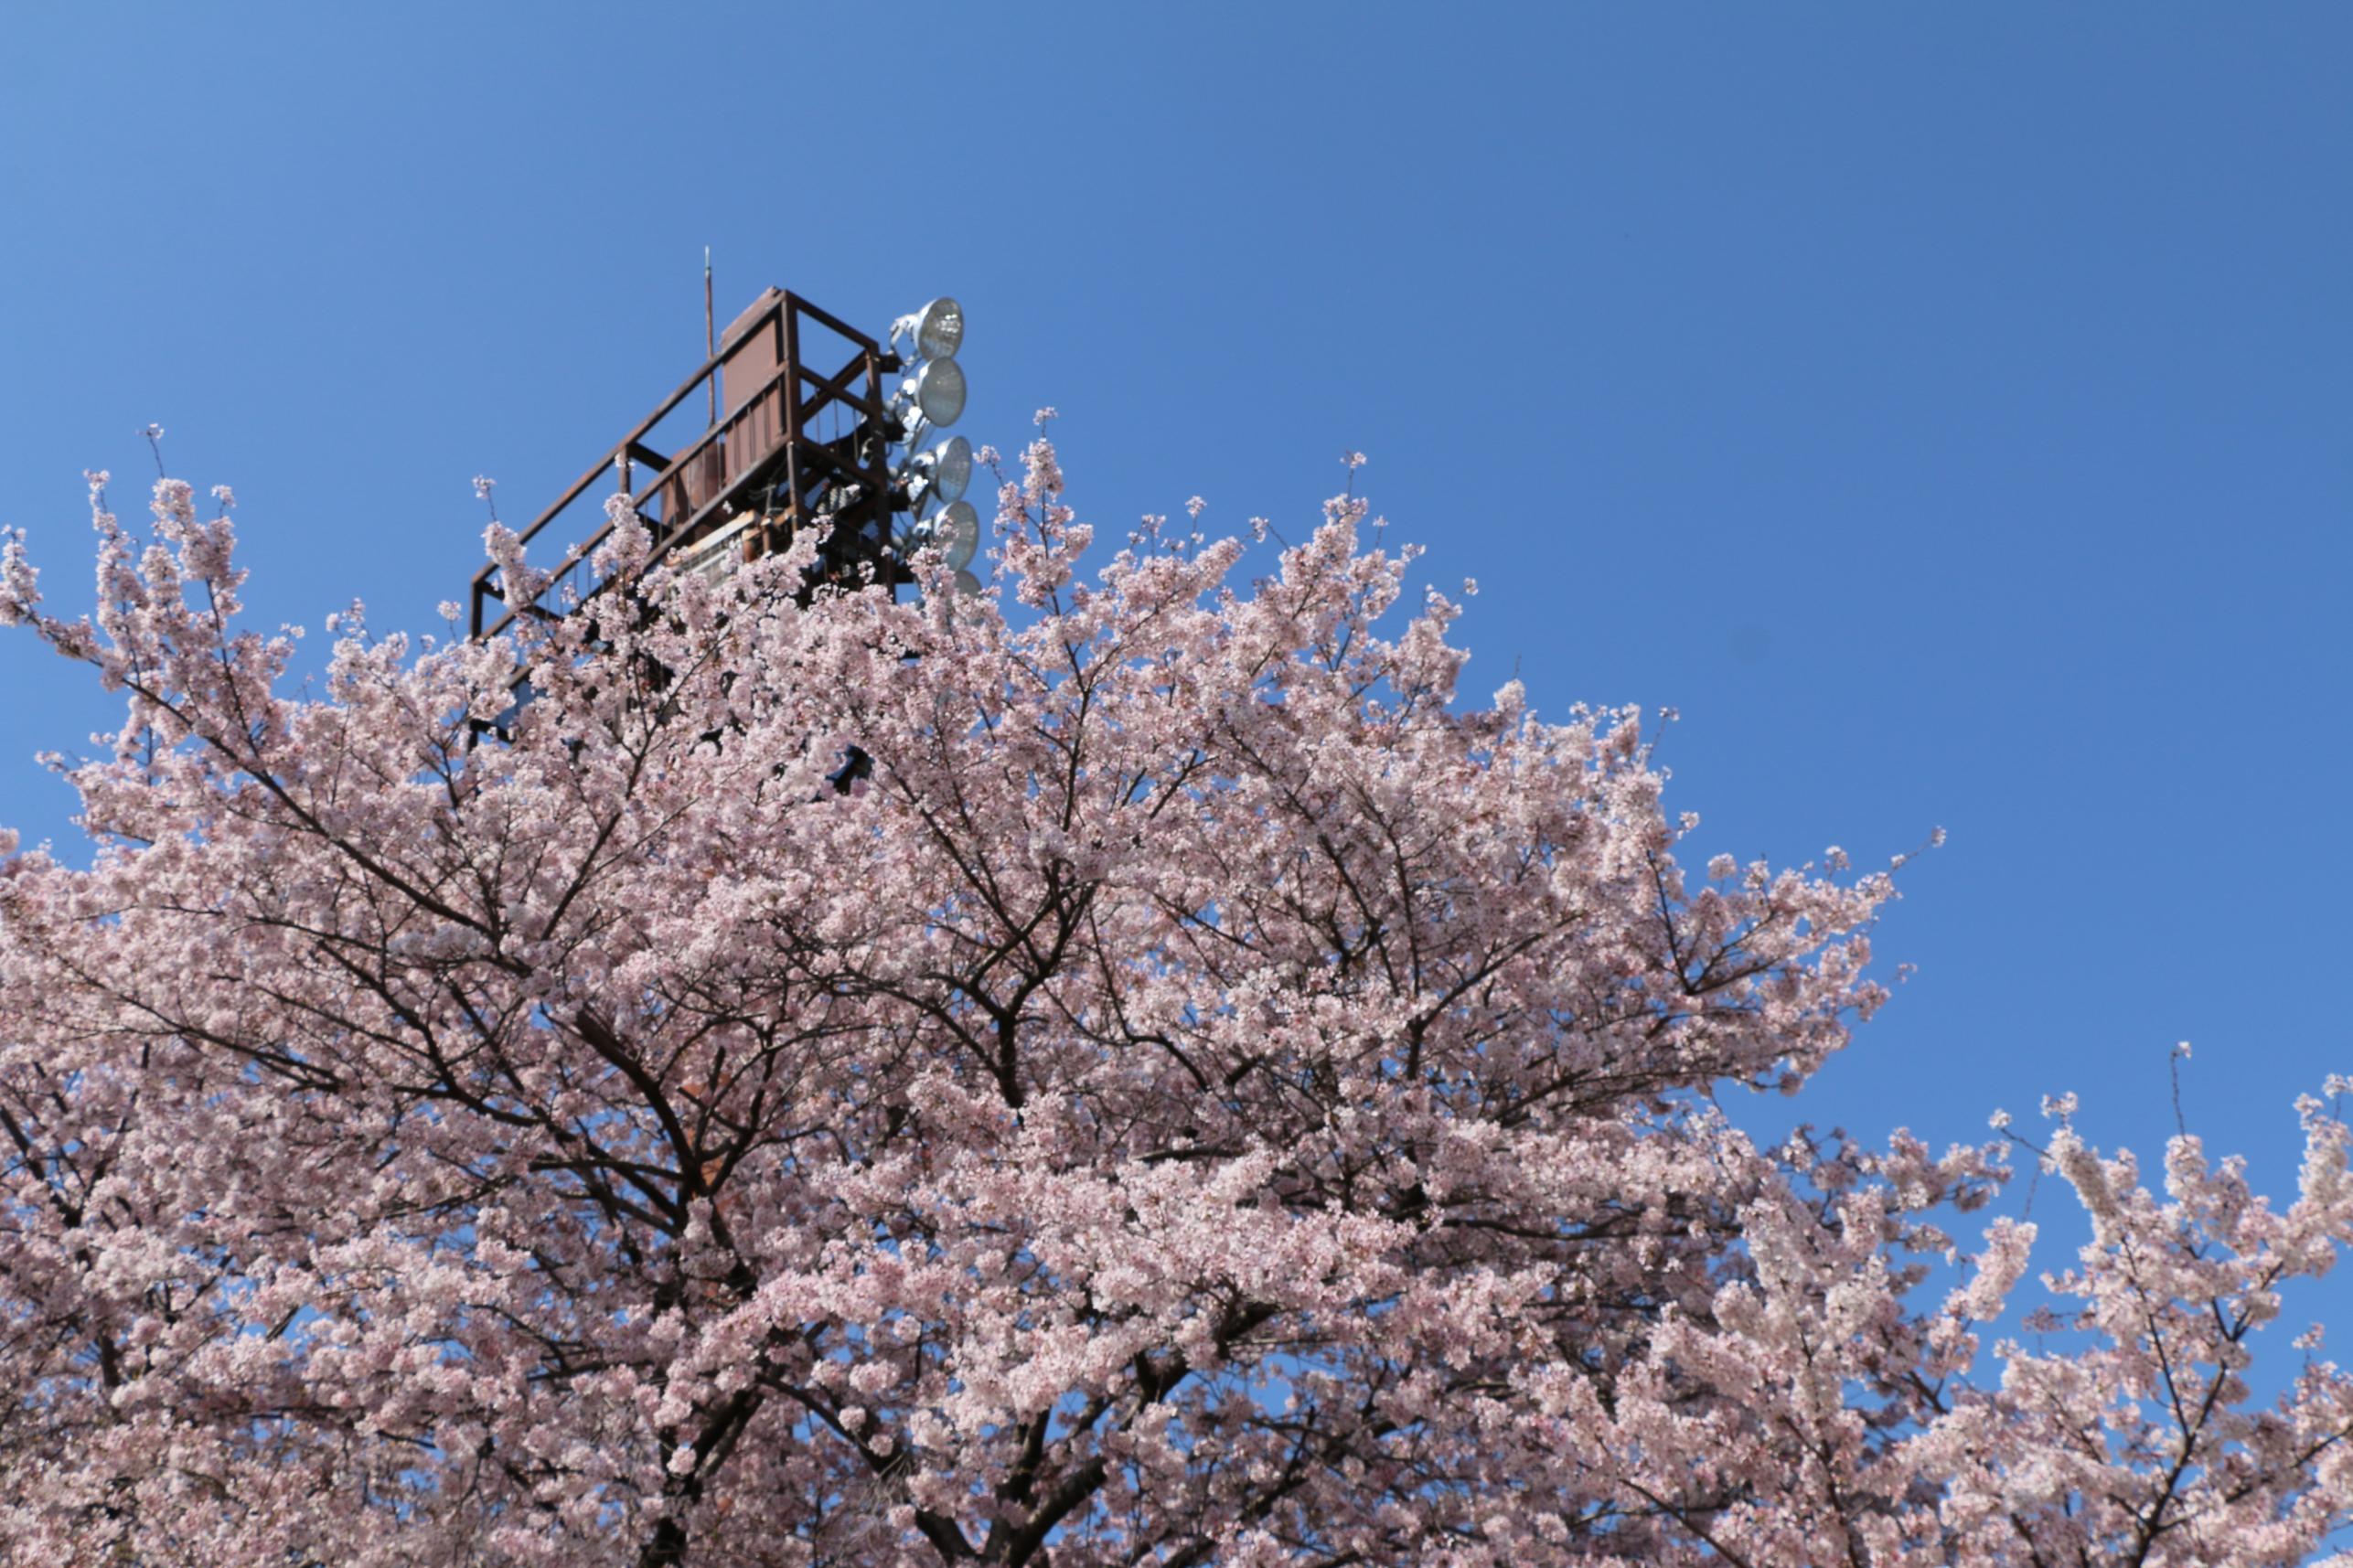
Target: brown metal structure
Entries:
(744, 486)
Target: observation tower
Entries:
(787, 441)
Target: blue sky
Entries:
(1946, 409)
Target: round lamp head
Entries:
(937, 391)
(955, 533)
(966, 583)
(948, 468)
(939, 329)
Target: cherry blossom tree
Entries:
(1204, 1095)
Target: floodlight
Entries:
(954, 532)
(915, 536)
(935, 393)
(937, 328)
(966, 583)
(944, 471)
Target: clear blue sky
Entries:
(1947, 408)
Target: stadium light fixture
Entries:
(933, 396)
(937, 329)
(944, 473)
(954, 531)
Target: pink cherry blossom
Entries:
(1214, 1096)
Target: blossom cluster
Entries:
(1208, 1094)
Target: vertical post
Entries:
(709, 337)
(874, 395)
(788, 329)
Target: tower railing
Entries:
(755, 475)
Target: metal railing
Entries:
(759, 458)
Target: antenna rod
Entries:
(709, 337)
